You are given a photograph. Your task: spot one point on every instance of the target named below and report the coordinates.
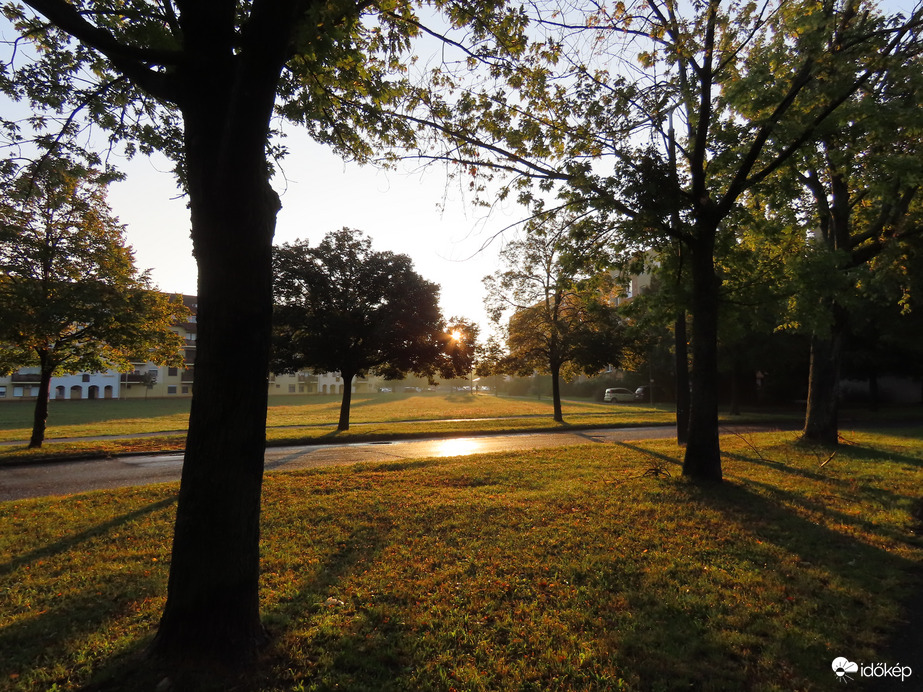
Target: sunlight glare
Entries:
(457, 448)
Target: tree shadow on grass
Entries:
(72, 541)
(353, 643)
(681, 642)
(670, 640)
(56, 629)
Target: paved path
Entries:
(65, 478)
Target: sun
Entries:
(456, 335)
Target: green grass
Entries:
(301, 419)
(130, 416)
(573, 569)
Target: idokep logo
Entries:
(843, 668)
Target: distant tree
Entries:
(562, 321)
(343, 307)
(71, 299)
(460, 350)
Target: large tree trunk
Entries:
(702, 460)
(556, 392)
(40, 417)
(212, 609)
(821, 424)
(346, 401)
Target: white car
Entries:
(619, 394)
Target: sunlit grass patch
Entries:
(567, 569)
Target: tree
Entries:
(562, 321)
(341, 306)
(606, 82)
(862, 179)
(71, 299)
(202, 83)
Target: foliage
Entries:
(587, 113)
(342, 307)
(563, 321)
(70, 287)
(71, 299)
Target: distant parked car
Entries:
(618, 394)
(384, 389)
(643, 393)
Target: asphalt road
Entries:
(66, 478)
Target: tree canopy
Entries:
(71, 299)
(561, 318)
(586, 112)
(341, 306)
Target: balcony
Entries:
(187, 375)
(26, 378)
(132, 377)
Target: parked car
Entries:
(643, 393)
(618, 394)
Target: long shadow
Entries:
(359, 658)
(58, 632)
(72, 541)
(668, 637)
(859, 451)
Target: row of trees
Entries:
(573, 100)
(72, 300)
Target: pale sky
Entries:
(399, 210)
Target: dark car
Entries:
(643, 393)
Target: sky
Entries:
(418, 213)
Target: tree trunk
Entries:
(40, 417)
(347, 399)
(682, 379)
(212, 610)
(821, 424)
(556, 392)
(702, 460)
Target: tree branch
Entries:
(132, 61)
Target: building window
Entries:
(86, 378)
(185, 389)
(291, 389)
(171, 389)
(172, 372)
(2, 391)
(17, 391)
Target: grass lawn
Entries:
(112, 417)
(573, 569)
(296, 419)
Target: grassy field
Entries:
(112, 417)
(303, 419)
(587, 568)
